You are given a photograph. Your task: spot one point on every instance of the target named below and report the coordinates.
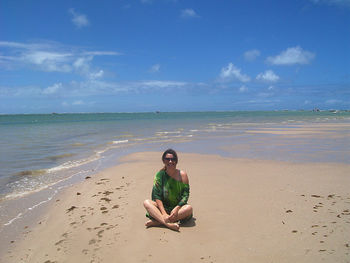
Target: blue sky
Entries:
(173, 55)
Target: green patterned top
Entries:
(170, 191)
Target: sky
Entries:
(173, 55)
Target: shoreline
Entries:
(99, 229)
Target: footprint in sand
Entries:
(59, 242)
(71, 208)
(92, 241)
(99, 234)
(346, 212)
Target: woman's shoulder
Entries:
(161, 172)
(184, 177)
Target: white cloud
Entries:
(96, 75)
(188, 13)
(14, 44)
(333, 101)
(291, 56)
(82, 65)
(51, 57)
(231, 72)
(98, 87)
(48, 60)
(155, 68)
(102, 53)
(251, 55)
(161, 84)
(271, 88)
(243, 89)
(41, 55)
(52, 89)
(78, 102)
(79, 20)
(268, 76)
(265, 94)
(74, 103)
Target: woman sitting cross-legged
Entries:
(170, 194)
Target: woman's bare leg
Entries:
(151, 223)
(185, 211)
(154, 212)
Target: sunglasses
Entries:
(170, 159)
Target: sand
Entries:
(244, 211)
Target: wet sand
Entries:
(244, 211)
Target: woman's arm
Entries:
(157, 194)
(186, 191)
(161, 207)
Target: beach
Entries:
(244, 210)
(261, 192)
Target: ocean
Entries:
(41, 154)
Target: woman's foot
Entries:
(172, 226)
(151, 223)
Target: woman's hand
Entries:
(174, 214)
(166, 217)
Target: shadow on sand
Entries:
(189, 223)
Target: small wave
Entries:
(121, 141)
(71, 164)
(167, 132)
(15, 195)
(124, 136)
(61, 156)
(31, 172)
(13, 219)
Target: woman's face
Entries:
(169, 160)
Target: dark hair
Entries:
(169, 151)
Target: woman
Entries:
(170, 194)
